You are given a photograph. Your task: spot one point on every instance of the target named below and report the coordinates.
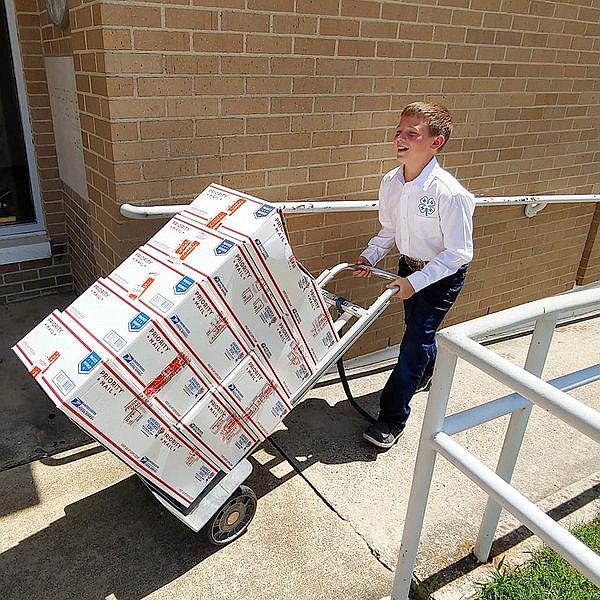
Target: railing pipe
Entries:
(499, 407)
(561, 405)
(309, 206)
(423, 473)
(576, 552)
(515, 432)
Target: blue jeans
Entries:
(423, 314)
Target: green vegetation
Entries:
(547, 576)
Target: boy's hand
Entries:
(406, 289)
(364, 272)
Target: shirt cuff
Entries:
(418, 280)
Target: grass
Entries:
(548, 576)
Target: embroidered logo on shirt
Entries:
(427, 206)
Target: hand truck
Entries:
(227, 507)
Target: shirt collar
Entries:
(425, 176)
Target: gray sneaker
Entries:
(383, 435)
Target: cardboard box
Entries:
(186, 309)
(92, 391)
(222, 266)
(255, 396)
(260, 228)
(214, 427)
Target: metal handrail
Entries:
(459, 341)
(533, 204)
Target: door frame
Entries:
(38, 227)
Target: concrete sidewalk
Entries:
(78, 524)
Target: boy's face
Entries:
(414, 143)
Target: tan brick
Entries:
(272, 5)
(399, 49)
(198, 146)
(192, 107)
(168, 168)
(309, 157)
(165, 86)
(286, 176)
(380, 30)
(267, 160)
(124, 108)
(269, 85)
(219, 126)
(131, 15)
(191, 186)
(313, 85)
(127, 151)
(291, 105)
(354, 85)
(190, 19)
(119, 63)
(247, 143)
(295, 24)
(288, 141)
(331, 138)
(339, 27)
(356, 48)
(161, 40)
(220, 3)
(246, 65)
(318, 7)
(158, 130)
(268, 44)
(244, 181)
(192, 64)
(333, 104)
(244, 21)
(267, 124)
(128, 192)
(315, 46)
(218, 42)
(220, 164)
(244, 106)
(218, 86)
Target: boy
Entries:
(429, 216)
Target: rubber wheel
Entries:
(233, 518)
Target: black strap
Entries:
(342, 373)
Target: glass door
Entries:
(17, 202)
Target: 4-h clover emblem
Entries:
(427, 206)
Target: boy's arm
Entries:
(456, 222)
(379, 245)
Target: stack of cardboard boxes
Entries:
(189, 353)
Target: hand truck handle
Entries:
(329, 274)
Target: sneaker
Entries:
(383, 435)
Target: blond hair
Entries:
(437, 116)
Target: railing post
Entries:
(536, 359)
(421, 482)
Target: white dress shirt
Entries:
(429, 218)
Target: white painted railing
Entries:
(533, 204)
(460, 341)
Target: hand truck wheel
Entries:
(233, 518)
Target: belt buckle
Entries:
(414, 263)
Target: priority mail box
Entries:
(258, 400)
(259, 226)
(120, 330)
(215, 428)
(223, 267)
(186, 308)
(93, 393)
(178, 389)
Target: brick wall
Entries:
(33, 278)
(297, 99)
(589, 269)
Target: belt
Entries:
(414, 263)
